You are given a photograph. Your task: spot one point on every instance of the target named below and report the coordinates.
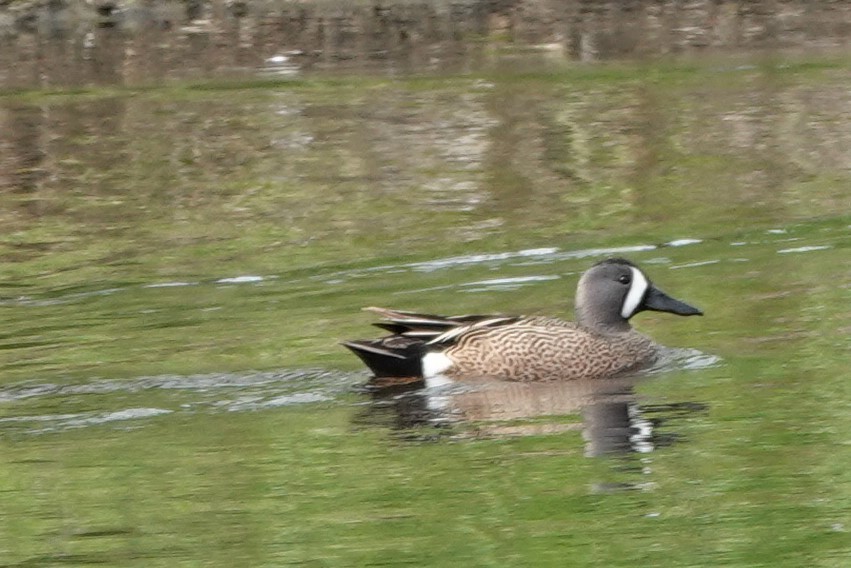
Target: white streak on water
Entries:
(683, 242)
(526, 257)
(169, 284)
(504, 284)
(514, 280)
(586, 253)
(551, 254)
(803, 249)
(240, 280)
(438, 264)
(694, 264)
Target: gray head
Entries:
(614, 290)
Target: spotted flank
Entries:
(601, 342)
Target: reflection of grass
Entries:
(297, 179)
(708, 70)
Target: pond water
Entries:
(180, 262)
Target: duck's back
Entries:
(548, 349)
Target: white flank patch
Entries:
(636, 293)
(434, 365)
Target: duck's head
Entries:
(614, 290)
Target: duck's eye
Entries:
(623, 279)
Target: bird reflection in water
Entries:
(610, 416)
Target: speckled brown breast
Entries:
(548, 349)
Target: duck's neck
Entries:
(602, 325)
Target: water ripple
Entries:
(149, 397)
(56, 422)
(678, 358)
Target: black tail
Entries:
(393, 356)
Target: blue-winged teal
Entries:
(601, 343)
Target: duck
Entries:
(600, 344)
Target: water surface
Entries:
(179, 264)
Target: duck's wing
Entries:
(452, 335)
(430, 327)
(412, 336)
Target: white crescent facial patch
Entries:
(636, 293)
